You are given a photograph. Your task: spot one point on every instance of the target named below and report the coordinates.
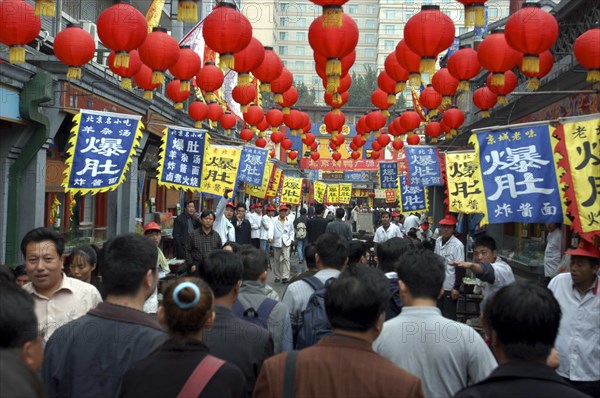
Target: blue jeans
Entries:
(300, 248)
(264, 245)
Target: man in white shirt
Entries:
(223, 217)
(283, 236)
(452, 249)
(255, 220)
(386, 231)
(579, 332)
(552, 254)
(411, 221)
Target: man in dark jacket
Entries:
(316, 226)
(387, 254)
(339, 226)
(243, 228)
(183, 226)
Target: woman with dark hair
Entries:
(187, 309)
(84, 265)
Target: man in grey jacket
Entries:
(339, 226)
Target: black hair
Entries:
(18, 323)
(87, 252)
(356, 250)
(183, 322)
(234, 246)
(319, 208)
(390, 251)
(255, 263)
(526, 317)
(6, 274)
(302, 211)
(309, 255)
(423, 273)
(356, 299)
(485, 241)
(20, 270)
(241, 205)
(43, 234)
(222, 270)
(383, 213)
(207, 212)
(340, 213)
(333, 250)
(187, 202)
(125, 261)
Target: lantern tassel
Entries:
(265, 87)
(285, 110)
(593, 76)
(228, 131)
(333, 67)
(469, 16)
(446, 100)
(332, 17)
(391, 99)
(533, 84)
(121, 60)
(44, 8)
(498, 79)
(243, 79)
(336, 98)
(427, 65)
(244, 108)
(479, 15)
(433, 113)
(333, 83)
(184, 85)
(385, 112)
(294, 132)
(158, 77)
(414, 79)
(502, 99)
(336, 111)
(453, 132)
(178, 105)
(278, 97)
(485, 114)
(226, 61)
(126, 83)
(198, 124)
(434, 140)
(212, 123)
(463, 85)
(210, 96)
(334, 135)
(400, 86)
(149, 95)
(16, 55)
(531, 63)
(74, 72)
(187, 11)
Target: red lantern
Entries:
(272, 153)
(384, 139)
(309, 138)
(263, 125)
(430, 99)
(294, 121)
(248, 59)
(159, 51)
(122, 28)
(375, 120)
(358, 141)
(144, 81)
(340, 140)
(74, 47)
(474, 12)
(126, 73)
(497, 56)
(274, 118)
(198, 111)
(510, 83)
(387, 84)
(353, 146)
(254, 115)
(335, 121)
(281, 84)
(244, 95)
(176, 95)
(226, 31)
(531, 31)
(396, 71)
(379, 98)
(19, 26)
(228, 121)
(286, 144)
(413, 139)
(215, 111)
(292, 155)
(376, 146)
(433, 130)
(355, 155)
(428, 33)
(336, 156)
(336, 100)
(210, 79)
(546, 64)
(186, 66)
(485, 99)
(277, 137)
(269, 69)
(397, 144)
(410, 121)
(587, 52)
(445, 84)
(410, 61)
(314, 146)
(289, 98)
(464, 66)
(247, 135)
(261, 142)
(453, 118)
(397, 128)
(321, 66)
(315, 156)
(374, 156)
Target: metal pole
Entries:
(58, 17)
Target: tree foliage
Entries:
(362, 87)
(306, 96)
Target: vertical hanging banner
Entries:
(320, 188)
(388, 175)
(345, 193)
(220, 169)
(519, 175)
(333, 194)
(181, 158)
(291, 190)
(582, 147)
(100, 151)
(465, 183)
(252, 165)
(423, 166)
(411, 197)
(261, 191)
(274, 184)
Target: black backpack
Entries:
(315, 324)
(259, 316)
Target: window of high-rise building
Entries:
(299, 79)
(300, 50)
(284, 62)
(370, 24)
(282, 50)
(284, 21)
(283, 35)
(389, 29)
(352, 9)
(300, 36)
(315, 80)
(408, 14)
(301, 22)
(283, 6)
(371, 9)
(369, 52)
(299, 65)
(390, 14)
(389, 45)
(369, 38)
(492, 12)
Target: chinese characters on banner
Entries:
(261, 191)
(182, 156)
(345, 193)
(582, 141)
(252, 165)
(100, 150)
(390, 196)
(412, 197)
(274, 184)
(465, 185)
(320, 188)
(388, 175)
(291, 190)
(220, 169)
(519, 175)
(333, 194)
(423, 166)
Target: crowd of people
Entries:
(102, 327)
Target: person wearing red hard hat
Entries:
(452, 249)
(579, 332)
(283, 236)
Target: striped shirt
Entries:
(199, 244)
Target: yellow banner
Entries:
(333, 193)
(582, 140)
(320, 188)
(154, 13)
(291, 191)
(220, 168)
(465, 185)
(274, 187)
(345, 193)
(261, 192)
